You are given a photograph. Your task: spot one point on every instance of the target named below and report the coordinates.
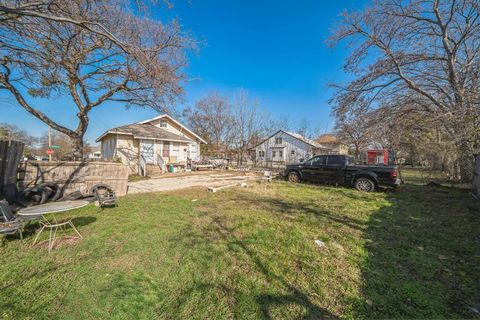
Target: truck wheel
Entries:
(364, 184)
(293, 177)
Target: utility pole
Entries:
(49, 143)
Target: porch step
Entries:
(153, 170)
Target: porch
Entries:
(156, 156)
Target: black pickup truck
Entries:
(341, 169)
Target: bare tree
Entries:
(93, 52)
(424, 52)
(249, 123)
(13, 132)
(212, 119)
(354, 128)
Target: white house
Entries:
(151, 145)
(286, 147)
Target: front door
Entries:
(147, 150)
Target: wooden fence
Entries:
(77, 176)
(10, 155)
(476, 175)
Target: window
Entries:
(274, 154)
(166, 149)
(193, 148)
(292, 152)
(280, 153)
(261, 154)
(278, 140)
(316, 161)
(163, 123)
(335, 161)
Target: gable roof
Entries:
(175, 121)
(298, 137)
(146, 131)
(327, 138)
(306, 140)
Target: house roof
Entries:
(175, 121)
(306, 140)
(327, 138)
(298, 137)
(146, 131)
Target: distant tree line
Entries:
(234, 125)
(415, 87)
(38, 146)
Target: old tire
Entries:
(55, 191)
(293, 177)
(364, 185)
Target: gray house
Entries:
(284, 147)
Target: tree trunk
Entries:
(78, 146)
(464, 163)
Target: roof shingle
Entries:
(148, 131)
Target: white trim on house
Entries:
(176, 122)
(112, 132)
(139, 137)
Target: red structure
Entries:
(377, 157)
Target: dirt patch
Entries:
(126, 262)
(60, 242)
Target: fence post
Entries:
(10, 155)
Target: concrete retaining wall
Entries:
(73, 176)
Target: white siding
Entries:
(294, 150)
(193, 149)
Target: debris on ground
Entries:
(320, 243)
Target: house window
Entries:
(274, 154)
(278, 140)
(163, 123)
(166, 149)
(292, 152)
(175, 147)
(280, 153)
(193, 148)
(261, 154)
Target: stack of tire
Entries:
(42, 193)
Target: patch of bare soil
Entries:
(126, 262)
(60, 242)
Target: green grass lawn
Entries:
(250, 253)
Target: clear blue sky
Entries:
(273, 49)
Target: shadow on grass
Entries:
(32, 227)
(267, 301)
(423, 257)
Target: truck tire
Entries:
(364, 185)
(293, 176)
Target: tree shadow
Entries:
(423, 257)
(267, 301)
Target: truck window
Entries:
(316, 161)
(336, 161)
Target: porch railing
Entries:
(161, 162)
(142, 166)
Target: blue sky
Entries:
(273, 49)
